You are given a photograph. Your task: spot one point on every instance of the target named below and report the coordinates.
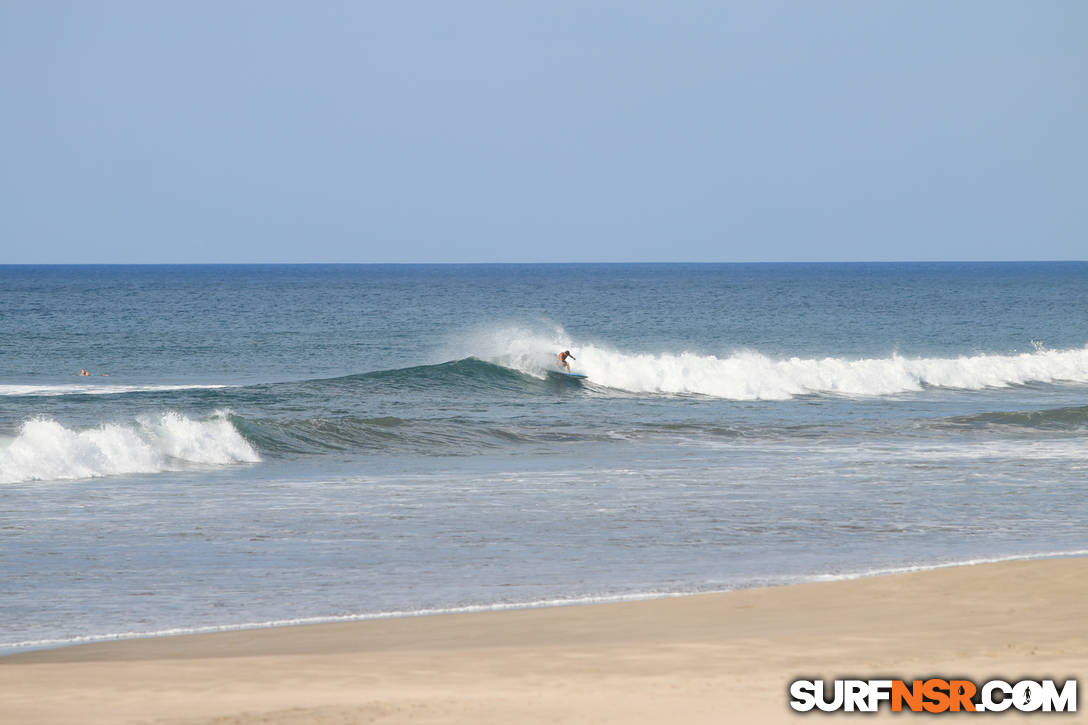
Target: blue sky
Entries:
(267, 131)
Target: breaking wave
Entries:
(750, 375)
(45, 450)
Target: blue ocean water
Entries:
(288, 443)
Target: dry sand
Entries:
(717, 658)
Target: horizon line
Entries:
(538, 263)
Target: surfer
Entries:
(83, 373)
(563, 359)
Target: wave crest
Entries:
(750, 375)
(753, 376)
(45, 450)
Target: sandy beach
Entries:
(695, 659)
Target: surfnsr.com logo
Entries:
(933, 695)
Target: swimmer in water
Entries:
(563, 359)
(83, 373)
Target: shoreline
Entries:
(717, 657)
(17, 648)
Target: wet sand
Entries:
(716, 658)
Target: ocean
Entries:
(263, 445)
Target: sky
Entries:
(242, 131)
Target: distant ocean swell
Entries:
(45, 450)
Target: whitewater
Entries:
(750, 375)
(45, 450)
(273, 445)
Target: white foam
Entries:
(889, 571)
(45, 450)
(93, 389)
(749, 375)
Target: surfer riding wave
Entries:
(563, 359)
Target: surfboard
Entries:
(565, 374)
